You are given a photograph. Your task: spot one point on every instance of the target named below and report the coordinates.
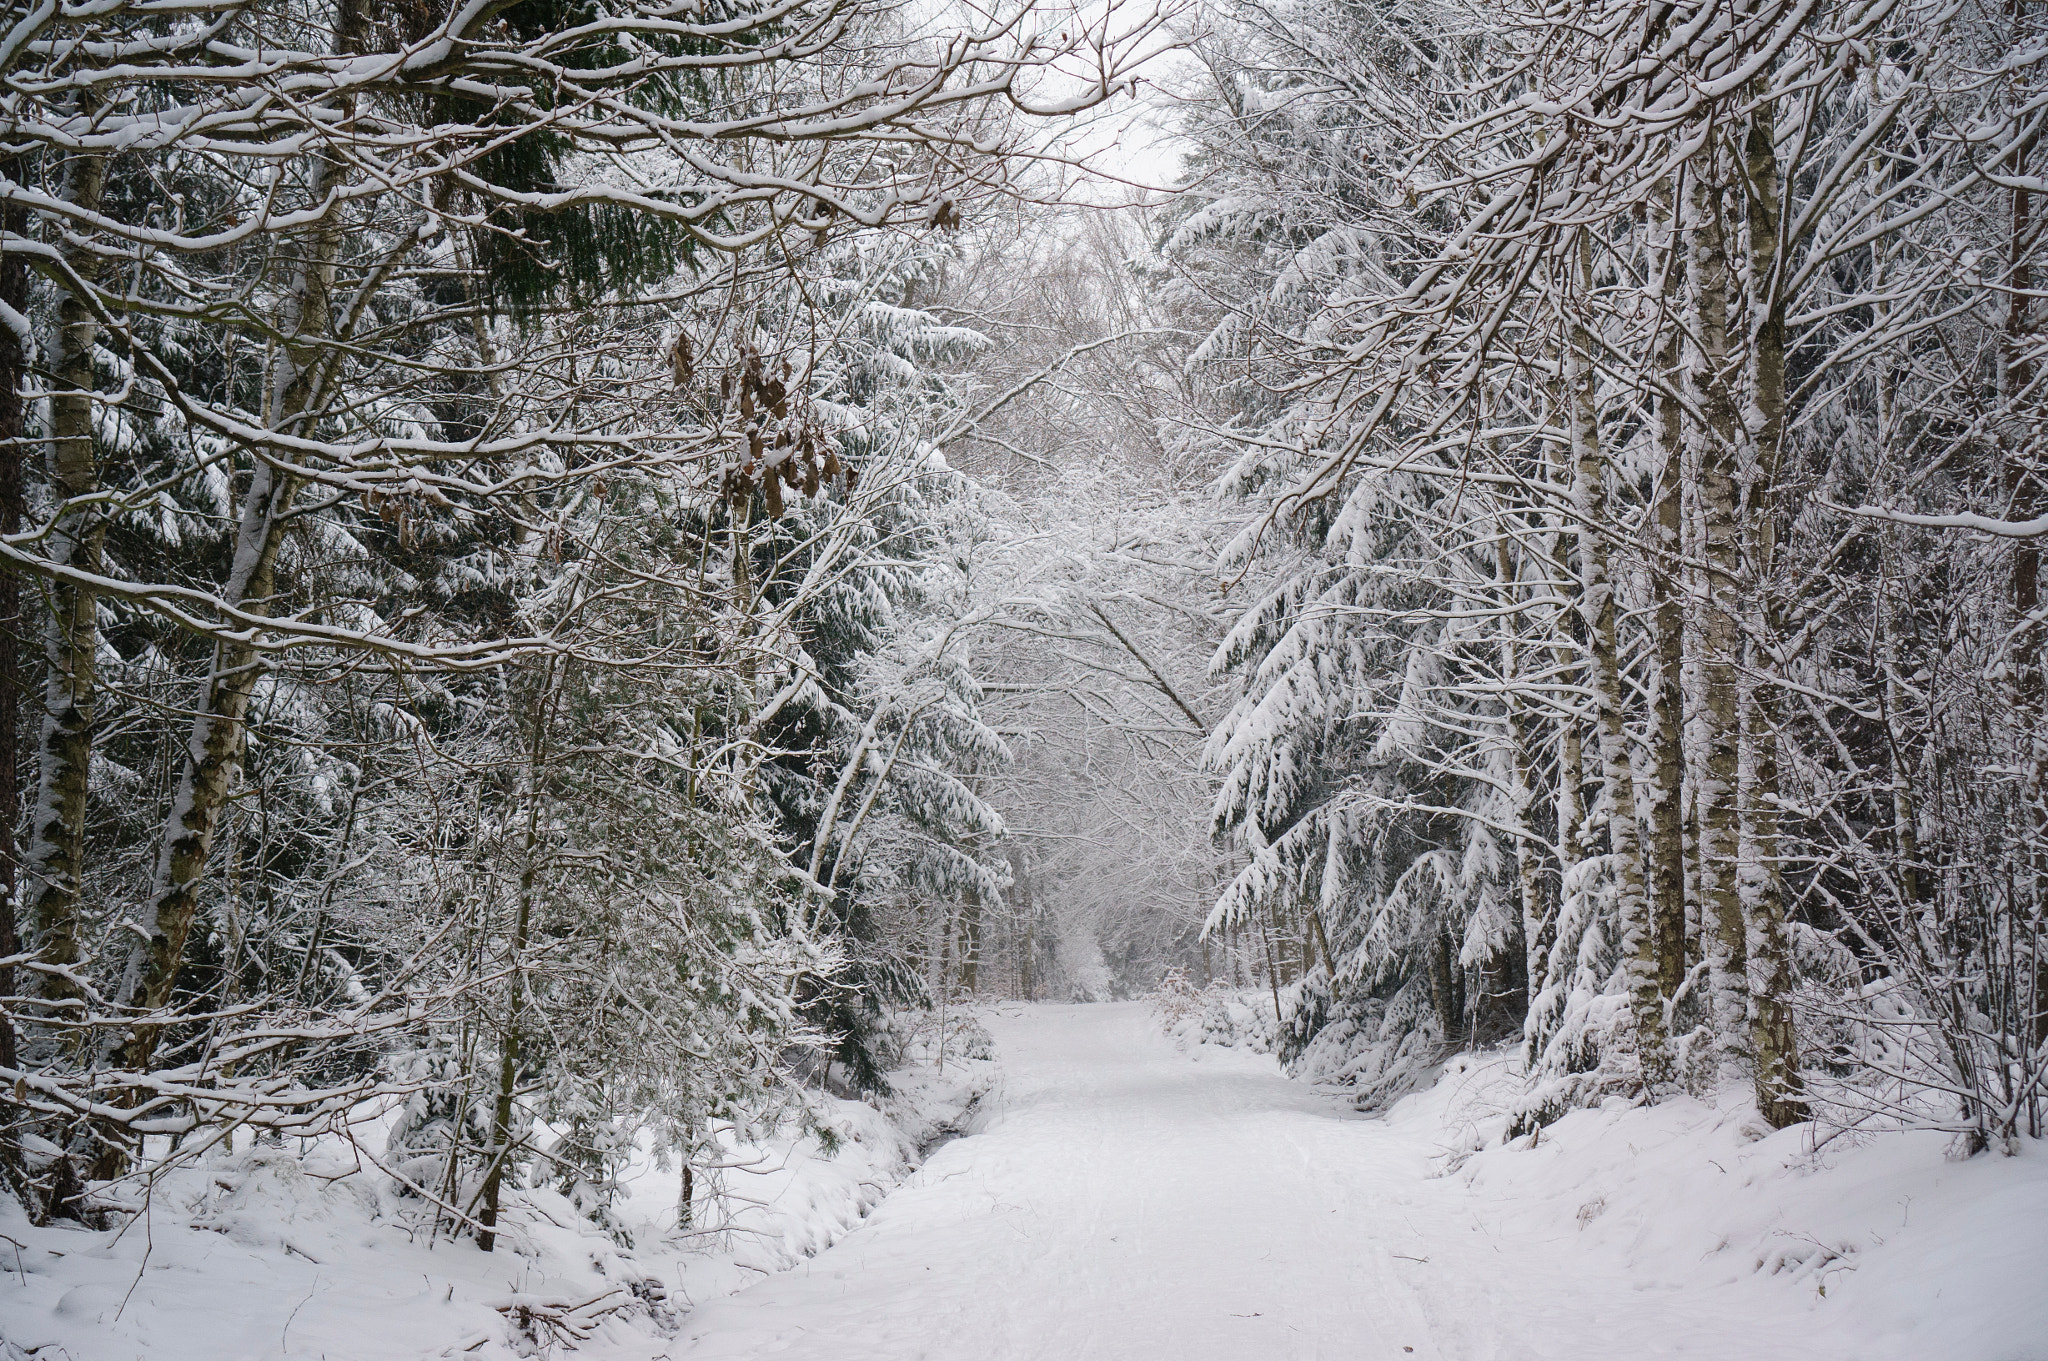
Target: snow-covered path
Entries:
(1127, 1202)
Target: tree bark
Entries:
(1536, 921)
(56, 850)
(1597, 610)
(14, 369)
(1667, 708)
(511, 1028)
(1774, 1042)
(214, 752)
(1443, 988)
(2026, 490)
(1721, 546)
(970, 942)
(15, 349)
(218, 740)
(1020, 887)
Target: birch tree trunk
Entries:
(212, 766)
(1597, 610)
(1667, 705)
(218, 739)
(1522, 792)
(1774, 1042)
(1725, 931)
(56, 850)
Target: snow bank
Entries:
(270, 1252)
(1906, 1252)
(1903, 1253)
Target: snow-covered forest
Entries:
(600, 595)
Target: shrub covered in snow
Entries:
(1234, 1018)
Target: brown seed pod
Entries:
(682, 360)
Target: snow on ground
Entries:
(1129, 1201)
(265, 1254)
(1122, 1198)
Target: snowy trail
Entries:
(1128, 1202)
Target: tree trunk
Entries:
(1020, 886)
(1443, 987)
(218, 740)
(1774, 1043)
(1322, 943)
(56, 850)
(511, 1029)
(2026, 489)
(1725, 930)
(970, 942)
(1537, 923)
(1667, 710)
(1773, 1039)
(212, 767)
(14, 369)
(510, 1038)
(1597, 609)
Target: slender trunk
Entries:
(14, 368)
(1773, 1039)
(212, 768)
(218, 741)
(511, 1030)
(1667, 709)
(1571, 813)
(1692, 685)
(1272, 968)
(944, 957)
(56, 851)
(510, 1034)
(1774, 1042)
(1443, 987)
(1905, 817)
(2025, 483)
(1536, 923)
(1725, 930)
(970, 942)
(1020, 887)
(2026, 489)
(1546, 988)
(1322, 943)
(1597, 609)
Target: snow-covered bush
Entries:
(1380, 1047)
(1081, 964)
(1230, 1018)
(939, 1035)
